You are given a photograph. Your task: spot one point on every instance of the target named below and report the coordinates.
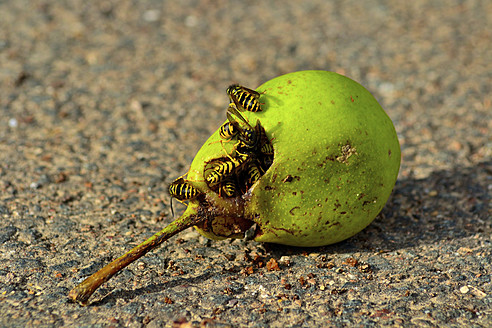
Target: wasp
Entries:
(228, 131)
(267, 149)
(266, 158)
(244, 98)
(252, 141)
(229, 188)
(182, 190)
(249, 137)
(231, 129)
(253, 175)
(214, 178)
(225, 168)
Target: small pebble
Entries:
(433, 193)
(191, 21)
(151, 15)
(284, 260)
(13, 123)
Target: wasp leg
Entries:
(172, 209)
(234, 150)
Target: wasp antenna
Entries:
(172, 210)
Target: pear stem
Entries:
(83, 291)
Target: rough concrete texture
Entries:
(104, 103)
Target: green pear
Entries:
(336, 160)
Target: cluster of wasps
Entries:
(252, 154)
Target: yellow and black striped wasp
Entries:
(252, 146)
(253, 175)
(252, 154)
(266, 154)
(182, 190)
(244, 98)
(249, 137)
(252, 141)
(227, 131)
(228, 187)
(266, 148)
(225, 167)
(231, 128)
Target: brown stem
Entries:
(84, 290)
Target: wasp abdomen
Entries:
(229, 188)
(227, 131)
(253, 174)
(244, 98)
(183, 190)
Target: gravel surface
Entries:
(105, 103)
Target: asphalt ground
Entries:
(104, 103)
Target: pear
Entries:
(336, 160)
